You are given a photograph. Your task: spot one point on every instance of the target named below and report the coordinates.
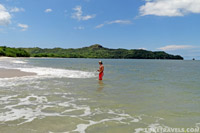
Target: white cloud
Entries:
(99, 26)
(48, 10)
(170, 7)
(114, 22)
(78, 14)
(142, 48)
(79, 28)
(5, 17)
(87, 17)
(175, 47)
(15, 9)
(119, 22)
(23, 26)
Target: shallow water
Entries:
(66, 96)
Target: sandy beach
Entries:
(9, 73)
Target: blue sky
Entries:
(167, 25)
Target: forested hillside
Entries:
(98, 51)
(13, 52)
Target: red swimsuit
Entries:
(101, 75)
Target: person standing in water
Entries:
(101, 69)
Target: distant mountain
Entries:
(98, 51)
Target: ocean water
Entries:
(66, 97)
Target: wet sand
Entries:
(9, 73)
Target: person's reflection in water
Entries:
(100, 86)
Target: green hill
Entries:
(98, 51)
(13, 52)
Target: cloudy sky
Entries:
(168, 25)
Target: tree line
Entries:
(13, 52)
(94, 51)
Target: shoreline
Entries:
(11, 73)
(4, 57)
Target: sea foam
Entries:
(58, 73)
(18, 62)
(47, 72)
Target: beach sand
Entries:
(9, 73)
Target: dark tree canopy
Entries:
(13, 52)
(98, 51)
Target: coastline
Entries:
(11, 73)
(4, 57)
(93, 51)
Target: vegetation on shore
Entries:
(98, 51)
(94, 51)
(13, 52)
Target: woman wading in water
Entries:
(101, 69)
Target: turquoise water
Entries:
(66, 96)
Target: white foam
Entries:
(18, 62)
(5, 99)
(44, 72)
(135, 120)
(138, 130)
(15, 81)
(26, 113)
(82, 127)
(118, 117)
(31, 107)
(37, 100)
(74, 107)
(54, 72)
(151, 128)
